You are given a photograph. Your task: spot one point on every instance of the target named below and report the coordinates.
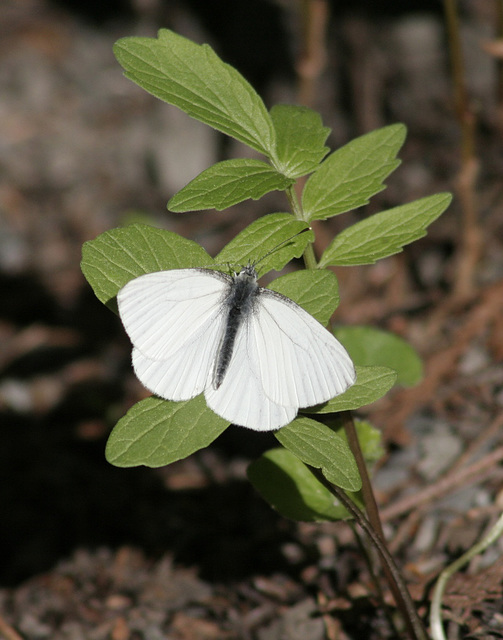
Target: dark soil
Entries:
(191, 552)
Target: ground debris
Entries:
(190, 552)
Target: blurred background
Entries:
(83, 150)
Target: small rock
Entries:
(298, 623)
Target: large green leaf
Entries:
(263, 243)
(289, 487)
(371, 384)
(353, 174)
(117, 256)
(227, 183)
(193, 78)
(315, 290)
(385, 233)
(300, 139)
(321, 447)
(156, 432)
(369, 346)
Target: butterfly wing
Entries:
(303, 363)
(175, 321)
(241, 398)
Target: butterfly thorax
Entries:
(239, 305)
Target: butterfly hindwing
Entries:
(240, 398)
(305, 364)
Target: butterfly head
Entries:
(248, 272)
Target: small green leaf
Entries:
(385, 233)
(267, 235)
(371, 384)
(193, 78)
(117, 256)
(227, 183)
(290, 488)
(156, 432)
(314, 290)
(353, 174)
(300, 139)
(319, 446)
(369, 346)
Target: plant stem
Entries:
(295, 206)
(400, 592)
(470, 245)
(499, 61)
(404, 601)
(374, 577)
(309, 256)
(461, 102)
(437, 630)
(367, 491)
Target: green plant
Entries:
(322, 454)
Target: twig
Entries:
(475, 444)
(313, 55)
(481, 469)
(441, 364)
(7, 632)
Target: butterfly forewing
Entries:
(175, 320)
(305, 364)
(188, 371)
(166, 310)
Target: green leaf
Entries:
(266, 235)
(156, 432)
(371, 384)
(314, 290)
(369, 346)
(227, 183)
(300, 139)
(290, 488)
(117, 256)
(193, 78)
(321, 447)
(385, 233)
(353, 174)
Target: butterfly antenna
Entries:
(280, 245)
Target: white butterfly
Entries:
(257, 355)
